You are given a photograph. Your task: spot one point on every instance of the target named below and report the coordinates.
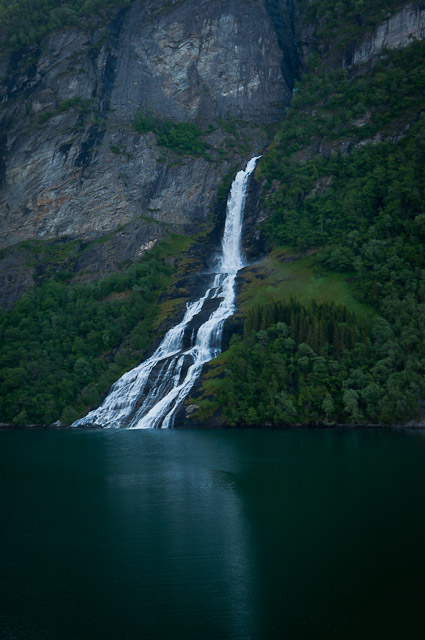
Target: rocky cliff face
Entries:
(71, 164)
(398, 30)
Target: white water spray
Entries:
(150, 395)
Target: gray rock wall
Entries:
(398, 31)
(192, 60)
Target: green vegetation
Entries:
(334, 317)
(331, 106)
(63, 344)
(184, 138)
(226, 183)
(345, 183)
(346, 19)
(236, 135)
(187, 139)
(83, 107)
(312, 364)
(285, 274)
(25, 22)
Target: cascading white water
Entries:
(150, 395)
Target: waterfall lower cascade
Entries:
(150, 395)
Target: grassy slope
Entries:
(284, 274)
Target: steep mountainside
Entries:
(121, 128)
(118, 131)
(72, 163)
(334, 328)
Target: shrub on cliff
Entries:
(184, 138)
(25, 22)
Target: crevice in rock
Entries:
(21, 76)
(3, 153)
(93, 140)
(283, 16)
(103, 90)
(108, 77)
(253, 240)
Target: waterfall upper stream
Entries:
(150, 395)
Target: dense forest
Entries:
(63, 344)
(345, 176)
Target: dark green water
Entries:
(212, 535)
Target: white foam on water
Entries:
(176, 369)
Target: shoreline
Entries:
(203, 427)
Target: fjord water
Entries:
(211, 535)
(150, 395)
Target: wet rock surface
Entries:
(254, 243)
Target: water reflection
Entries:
(209, 535)
(175, 500)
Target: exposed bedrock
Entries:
(71, 163)
(397, 31)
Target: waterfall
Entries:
(150, 395)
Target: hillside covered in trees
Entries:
(345, 180)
